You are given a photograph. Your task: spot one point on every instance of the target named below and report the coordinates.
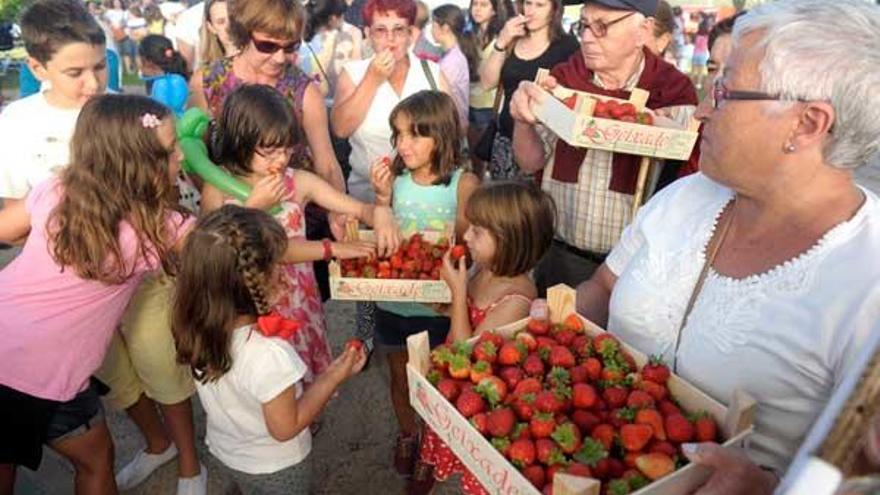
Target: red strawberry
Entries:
(524, 407)
(564, 336)
(535, 474)
(622, 416)
(480, 422)
(538, 327)
(527, 340)
(615, 396)
(551, 473)
(527, 386)
(594, 368)
(652, 418)
(582, 346)
(458, 251)
(579, 469)
(568, 437)
(706, 429)
(656, 371)
(542, 425)
(639, 400)
(634, 437)
(629, 458)
(583, 396)
(501, 445)
(485, 351)
(448, 388)
(664, 448)
(605, 434)
(480, 370)
(548, 401)
(522, 452)
(654, 389)
(616, 468)
(493, 389)
(533, 365)
(547, 452)
(678, 428)
(511, 376)
(668, 408)
(521, 431)
(655, 465)
(511, 354)
(574, 323)
(605, 344)
(561, 356)
(499, 422)
(602, 469)
(579, 374)
(459, 367)
(492, 337)
(356, 344)
(585, 420)
(469, 403)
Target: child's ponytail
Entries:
(452, 16)
(159, 51)
(225, 271)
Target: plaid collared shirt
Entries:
(592, 217)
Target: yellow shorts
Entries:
(142, 357)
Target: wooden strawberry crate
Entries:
(391, 290)
(498, 475)
(578, 127)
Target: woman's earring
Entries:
(790, 148)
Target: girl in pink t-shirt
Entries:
(93, 232)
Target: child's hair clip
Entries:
(150, 121)
(169, 52)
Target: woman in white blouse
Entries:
(774, 240)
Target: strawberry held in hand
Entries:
(356, 344)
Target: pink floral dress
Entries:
(302, 299)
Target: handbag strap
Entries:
(428, 74)
(499, 93)
(714, 247)
(318, 61)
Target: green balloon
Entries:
(191, 129)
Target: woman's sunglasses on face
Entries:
(270, 47)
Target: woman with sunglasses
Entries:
(268, 34)
(760, 272)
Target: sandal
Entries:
(405, 453)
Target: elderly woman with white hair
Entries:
(761, 272)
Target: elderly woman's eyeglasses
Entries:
(720, 93)
(383, 32)
(598, 28)
(270, 47)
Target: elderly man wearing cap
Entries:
(594, 189)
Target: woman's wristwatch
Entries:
(498, 48)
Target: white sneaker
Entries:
(197, 485)
(142, 466)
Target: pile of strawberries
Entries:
(415, 259)
(614, 110)
(552, 399)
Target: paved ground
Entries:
(352, 453)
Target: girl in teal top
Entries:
(428, 190)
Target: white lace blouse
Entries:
(785, 336)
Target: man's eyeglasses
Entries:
(383, 32)
(720, 93)
(598, 28)
(270, 47)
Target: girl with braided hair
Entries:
(250, 383)
(256, 135)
